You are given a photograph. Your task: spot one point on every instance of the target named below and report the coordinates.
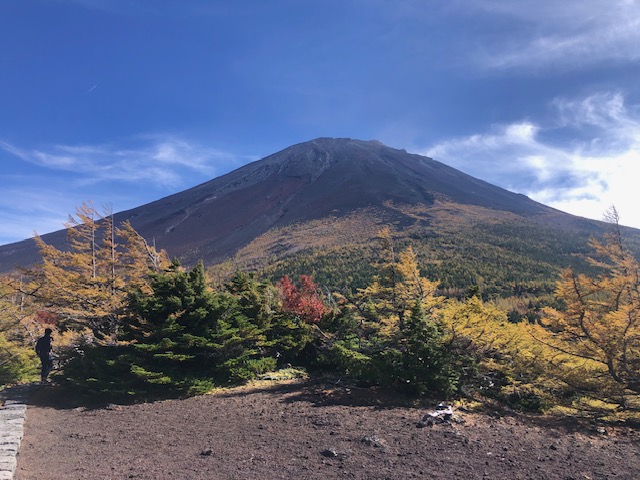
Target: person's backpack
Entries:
(40, 347)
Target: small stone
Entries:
(373, 441)
(329, 453)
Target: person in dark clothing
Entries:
(43, 350)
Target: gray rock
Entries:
(329, 452)
(374, 441)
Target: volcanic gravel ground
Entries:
(306, 430)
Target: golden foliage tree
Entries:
(85, 286)
(389, 333)
(398, 288)
(511, 363)
(598, 334)
(17, 358)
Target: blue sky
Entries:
(123, 102)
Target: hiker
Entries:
(43, 350)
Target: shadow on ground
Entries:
(317, 392)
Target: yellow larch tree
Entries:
(398, 288)
(598, 333)
(85, 286)
(17, 357)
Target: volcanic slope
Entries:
(325, 194)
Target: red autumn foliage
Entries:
(304, 301)
(46, 318)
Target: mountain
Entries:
(327, 194)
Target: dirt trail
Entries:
(310, 431)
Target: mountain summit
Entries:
(322, 178)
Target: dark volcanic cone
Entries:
(307, 181)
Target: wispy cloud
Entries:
(61, 177)
(28, 206)
(586, 158)
(562, 35)
(165, 160)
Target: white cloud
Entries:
(596, 165)
(52, 182)
(165, 160)
(599, 109)
(566, 34)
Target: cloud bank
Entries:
(583, 160)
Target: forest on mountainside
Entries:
(131, 324)
(513, 263)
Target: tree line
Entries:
(133, 323)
